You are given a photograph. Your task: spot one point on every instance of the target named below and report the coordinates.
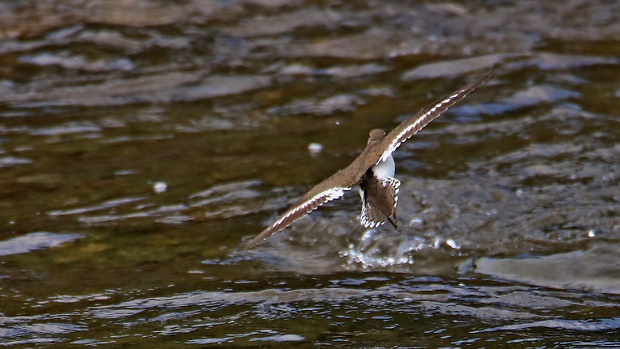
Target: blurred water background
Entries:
(142, 143)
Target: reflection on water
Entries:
(351, 309)
(34, 241)
(142, 143)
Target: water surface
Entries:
(143, 143)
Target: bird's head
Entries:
(375, 135)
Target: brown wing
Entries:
(328, 190)
(416, 122)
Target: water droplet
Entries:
(160, 187)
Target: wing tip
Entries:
(292, 215)
(450, 99)
(257, 239)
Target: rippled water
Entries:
(143, 143)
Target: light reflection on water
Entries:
(350, 310)
(142, 143)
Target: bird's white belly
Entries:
(385, 168)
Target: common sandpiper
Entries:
(372, 171)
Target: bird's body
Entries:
(373, 170)
(378, 188)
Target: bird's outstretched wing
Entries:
(416, 122)
(330, 189)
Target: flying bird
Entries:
(372, 170)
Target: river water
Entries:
(143, 143)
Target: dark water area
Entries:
(143, 143)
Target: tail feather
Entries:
(379, 199)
